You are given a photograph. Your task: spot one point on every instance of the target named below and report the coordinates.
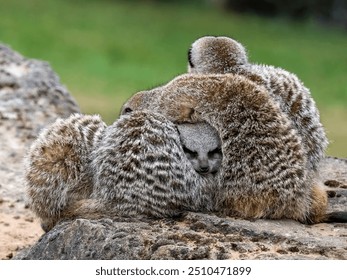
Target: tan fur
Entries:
(319, 204)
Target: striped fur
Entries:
(221, 55)
(58, 169)
(140, 169)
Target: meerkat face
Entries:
(204, 162)
(215, 55)
(202, 146)
(136, 103)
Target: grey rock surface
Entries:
(196, 236)
(333, 173)
(31, 97)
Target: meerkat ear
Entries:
(190, 58)
(187, 114)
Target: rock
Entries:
(333, 172)
(196, 236)
(31, 97)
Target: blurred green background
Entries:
(104, 50)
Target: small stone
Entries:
(29, 219)
(332, 183)
(331, 193)
(282, 252)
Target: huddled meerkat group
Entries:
(221, 55)
(231, 137)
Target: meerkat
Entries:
(264, 170)
(202, 146)
(135, 167)
(58, 172)
(140, 168)
(220, 55)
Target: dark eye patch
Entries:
(215, 151)
(190, 152)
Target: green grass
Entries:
(105, 50)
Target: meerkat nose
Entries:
(204, 169)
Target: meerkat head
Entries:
(215, 55)
(137, 102)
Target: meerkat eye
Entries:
(215, 151)
(127, 110)
(190, 58)
(190, 152)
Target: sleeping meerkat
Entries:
(220, 55)
(136, 167)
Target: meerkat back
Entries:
(225, 55)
